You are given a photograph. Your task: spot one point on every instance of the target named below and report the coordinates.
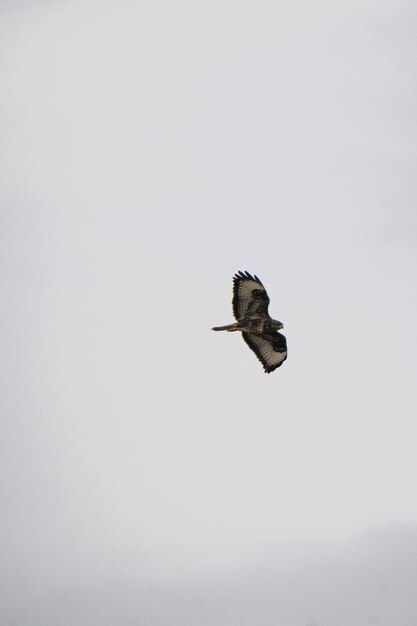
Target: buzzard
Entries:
(259, 330)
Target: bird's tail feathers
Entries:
(230, 327)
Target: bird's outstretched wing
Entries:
(271, 350)
(249, 296)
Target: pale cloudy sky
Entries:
(152, 474)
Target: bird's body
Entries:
(260, 332)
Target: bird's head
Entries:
(277, 325)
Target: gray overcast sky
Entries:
(152, 474)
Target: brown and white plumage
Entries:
(249, 296)
(270, 350)
(260, 332)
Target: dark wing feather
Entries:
(271, 350)
(249, 296)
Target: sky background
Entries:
(151, 473)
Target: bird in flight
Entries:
(250, 308)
